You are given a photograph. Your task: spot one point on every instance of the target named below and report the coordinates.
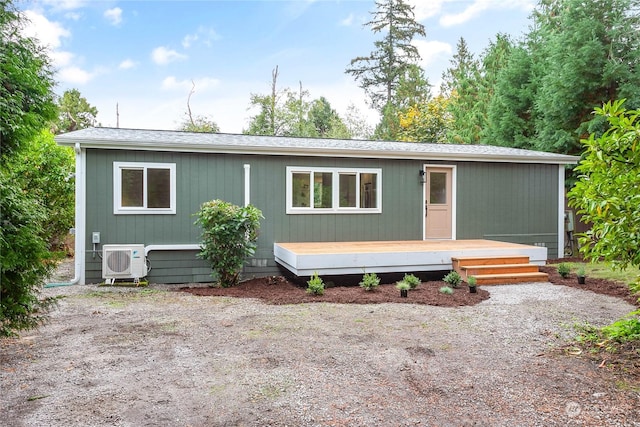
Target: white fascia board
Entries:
(314, 152)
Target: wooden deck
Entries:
(334, 258)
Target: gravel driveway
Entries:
(151, 357)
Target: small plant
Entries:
(453, 279)
(564, 270)
(403, 286)
(370, 281)
(580, 272)
(446, 290)
(412, 280)
(315, 285)
(472, 282)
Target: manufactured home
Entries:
(372, 206)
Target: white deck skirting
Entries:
(335, 258)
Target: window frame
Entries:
(118, 209)
(336, 172)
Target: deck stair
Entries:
(498, 270)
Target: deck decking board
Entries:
(305, 258)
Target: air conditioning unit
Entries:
(123, 262)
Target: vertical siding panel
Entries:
(492, 198)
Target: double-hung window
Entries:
(333, 190)
(144, 188)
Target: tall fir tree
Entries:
(379, 73)
(460, 83)
(587, 54)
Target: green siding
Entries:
(203, 177)
(512, 202)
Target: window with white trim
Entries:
(144, 188)
(333, 190)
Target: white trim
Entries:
(157, 140)
(118, 209)
(454, 197)
(172, 247)
(561, 177)
(81, 212)
(247, 184)
(336, 172)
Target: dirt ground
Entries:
(161, 356)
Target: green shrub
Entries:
(412, 280)
(24, 259)
(315, 285)
(403, 286)
(472, 281)
(625, 329)
(564, 269)
(228, 238)
(44, 169)
(453, 279)
(370, 281)
(446, 290)
(581, 271)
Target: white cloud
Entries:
(426, 9)
(75, 75)
(431, 51)
(201, 84)
(348, 21)
(479, 6)
(48, 33)
(74, 16)
(61, 58)
(128, 64)
(188, 40)
(162, 56)
(114, 16)
(206, 35)
(65, 4)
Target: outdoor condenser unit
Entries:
(123, 262)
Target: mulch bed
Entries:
(279, 290)
(599, 286)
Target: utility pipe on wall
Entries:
(79, 223)
(247, 184)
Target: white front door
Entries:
(438, 203)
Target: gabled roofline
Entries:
(306, 147)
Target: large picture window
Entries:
(333, 190)
(144, 188)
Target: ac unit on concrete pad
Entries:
(123, 262)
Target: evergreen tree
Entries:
(379, 73)
(588, 53)
(74, 112)
(460, 84)
(26, 107)
(494, 59)
(510, 113)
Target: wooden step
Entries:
(510, 278)
(489, 260)
(475, 270)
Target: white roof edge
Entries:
(106, 143)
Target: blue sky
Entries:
(144, 55)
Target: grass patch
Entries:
(616, 346)
(602, 270)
